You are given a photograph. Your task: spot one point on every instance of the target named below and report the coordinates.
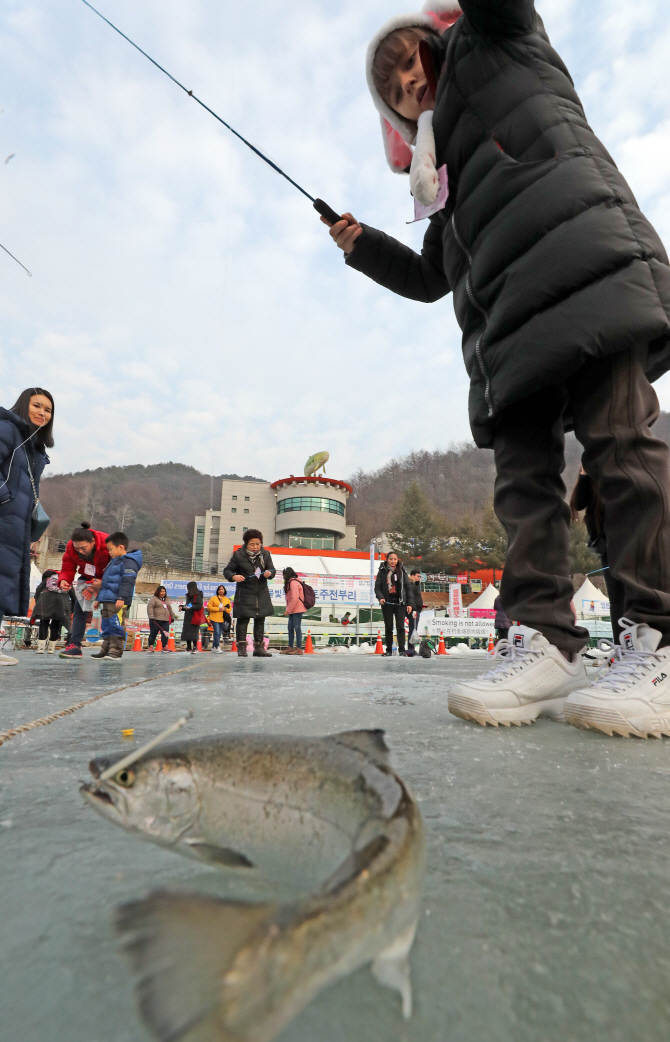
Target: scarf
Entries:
(256, 559)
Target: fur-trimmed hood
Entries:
(399, 136)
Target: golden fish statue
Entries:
(315, 463)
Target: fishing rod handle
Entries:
(327, 211)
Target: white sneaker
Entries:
(5, 660)
(529, 678)
(632, 696)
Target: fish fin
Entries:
(370, 743)
(182, 946)
(214, 855)
(391, 968)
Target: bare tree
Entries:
(89, 502)
(123, 515)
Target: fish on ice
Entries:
(326, 815)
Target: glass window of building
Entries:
(246, 499)
(246, 511)
(245, 529)
(233, 510)
(329, 506)
(312, 539)
(234, 497)
(232, 528)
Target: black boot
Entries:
(259, 650)
(242, 648)
(104, 650)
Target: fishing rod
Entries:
(323, 208)
(30, 272)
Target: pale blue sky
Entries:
(186, 303)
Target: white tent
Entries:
(486, 599)
(35, 577)
(590, 594)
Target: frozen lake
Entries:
(546, 916)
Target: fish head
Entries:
(156, 796)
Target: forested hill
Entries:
(136, 499)
(458, 483)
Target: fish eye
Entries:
(126, 778)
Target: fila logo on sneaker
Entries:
(628, 641)
(518, 640)
(658, 680)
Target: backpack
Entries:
(308, 595)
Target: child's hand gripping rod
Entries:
(319, 205)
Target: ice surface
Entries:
(547, 910)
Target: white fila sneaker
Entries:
(530, 678)
(632, 696)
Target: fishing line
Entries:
(134, 756)
(323, 208)
(13, 731)
(16, 258)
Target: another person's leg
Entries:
(614, 406)
(73, 648)
(241, 627)
(298, 630)
(617, 598)
(544, 665)
(400, 616)
(105, 631)
(259, 639)
(217, 627)
(387, 613)
(153, 633)
(291, 630)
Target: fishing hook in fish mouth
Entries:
(134, 756)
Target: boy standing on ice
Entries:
(562, 290)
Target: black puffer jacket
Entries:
(549, 258)
(252, 597)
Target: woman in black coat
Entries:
(393, 593)
(194, 616)
(25, 434)
(250, 567)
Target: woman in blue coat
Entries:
(26, 431)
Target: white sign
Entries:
(457, 627)
(591, 607)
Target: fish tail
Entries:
(182, 946)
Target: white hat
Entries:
(398, 136)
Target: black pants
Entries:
(49, 628)
(397, 611)
(617, 598)
(156, 627)
(612, 405)
(242, 626)
(501, 633)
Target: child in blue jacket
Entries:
(116, 593)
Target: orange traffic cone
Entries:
(379, 647)
(491, 645)
(199, 645)
(159, 643)
(309, 647)
(441, 650)
(234, 644)
(171, 646)
(137, 646)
